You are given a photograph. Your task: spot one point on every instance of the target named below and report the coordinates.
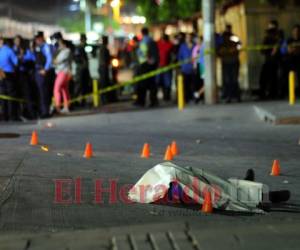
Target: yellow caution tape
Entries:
(152, 73)
(9, 98)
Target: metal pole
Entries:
(180, 90)
(208, 10)
(88, 17)
(292, 96)
(95, 94)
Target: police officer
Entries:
(25, 72)
(82, 75)
(43, 66)
(8, 62)
(104, 64)
(229, 54)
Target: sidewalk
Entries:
(164, 236)
(278, 113)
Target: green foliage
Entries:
(74, 24)
(169, 9)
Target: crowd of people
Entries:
(36, 72)
(282, 55)
(189, 48)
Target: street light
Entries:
(84, 6)
(116, 4)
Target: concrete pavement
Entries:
(278, 112)
(224, 139)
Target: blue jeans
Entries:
(164, 79)
(43, 93)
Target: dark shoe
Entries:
(279, 196)
(45, 116)
(137, 104)
(17, 120)
(250, 175)
(153, 105)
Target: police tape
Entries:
(153, 73)
(172, 66)
(9, 98)
(135, 80)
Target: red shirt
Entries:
(165, 49)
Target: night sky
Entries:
(46, 11)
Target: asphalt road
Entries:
(226, 140)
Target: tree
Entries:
(172, 10)
(166, 10)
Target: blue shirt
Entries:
(26, 58)
(202, 54)
(46, 51)
(185, 53)
(8, 59)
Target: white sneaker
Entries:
(196, 95)
(65, 111)
(52, 109)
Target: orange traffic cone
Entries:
(88, 151)
(275, 168)
(146, 151)
(34, 139)
(168, 154)
(174, 148)
(207, 204)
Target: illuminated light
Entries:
(88, 49)
(48, 40)
(99, 27)
(138, 20)
(143, 20)
(234, 39)
(115, 3)
(45, 148)
(115, 63)
(83, 5)
(131, 36)
(126, 20)
(74, 7)
(92, 36)
(100, 3)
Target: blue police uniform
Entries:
(8, 62)
(25, 80)
(43, 61)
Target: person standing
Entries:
(43, 66)
(197, 66)
(294, 52)
(104, 66)
(148, 58)
(25, 71)
(270, 69)
(185, 54)
(165, 48)
(62, 64)
(8, 63)
(82, 72)
(229, 53)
